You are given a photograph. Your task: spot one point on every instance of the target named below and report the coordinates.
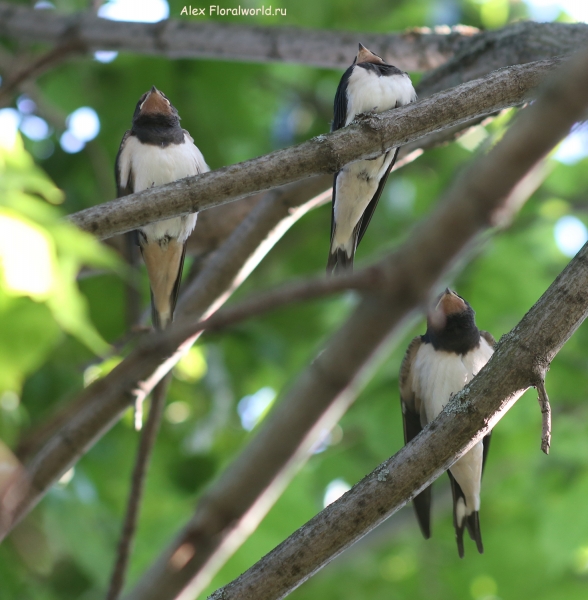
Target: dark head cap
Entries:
(451, 324)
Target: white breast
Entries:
(367, 91)
(151, 166)
(438, 375)
(356, 185)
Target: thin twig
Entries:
(36, 67)
(145, 450)
(367, 279)
(543, 399)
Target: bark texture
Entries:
(520, 358)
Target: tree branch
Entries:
(545, 414)
(370, 136)
(415, 50)
(244, 492)
(519, 43)
(368, 279)
(465, 420)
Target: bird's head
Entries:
(155, 104)
(367, 56)
(449, 307)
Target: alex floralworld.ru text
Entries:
(238, 11)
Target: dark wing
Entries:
(486, 441)
(411, 409)
(371, 207)
(340, 104)
(488, 337)
(176, 290)
(339, 116)
(411, 405)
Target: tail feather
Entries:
(422, 508)
(165, 262)
(470, 522)
(339, 262)
(473, 526)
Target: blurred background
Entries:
(58, 144)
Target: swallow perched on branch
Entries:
(436, 366)
(155, 151)
(368, 85)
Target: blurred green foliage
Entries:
(534, 524)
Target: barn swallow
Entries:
(155, 151)
(368, 85)
(436, 366)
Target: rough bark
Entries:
(518, 43)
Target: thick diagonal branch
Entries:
(72, 433)
(466, 419)
(370, 137)
(246, 490)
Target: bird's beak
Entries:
(155, 103)
(450, 303)
(364, 55)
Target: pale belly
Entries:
(356, 185)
